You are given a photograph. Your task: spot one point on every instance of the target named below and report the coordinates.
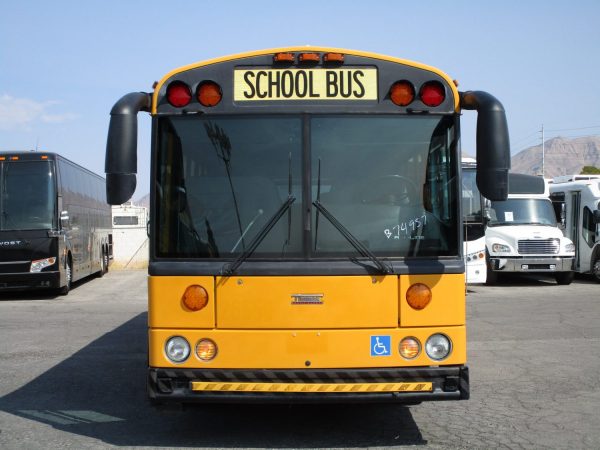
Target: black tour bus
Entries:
(55, 224)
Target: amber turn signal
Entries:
(402, 93)
(195, 297)
(418, 296)
(410, 347)
(209, 93)
(206, 349)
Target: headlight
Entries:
(570, 248)
(177, 349)
(438, 347)
(39, 264)
(500, 248)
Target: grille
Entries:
(15, 266)
(539, 246)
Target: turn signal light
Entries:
(410, 347)
(195, 298)
(402, 93)
(418, 296)
(179, 94)
(206, 349)
(432, 93)
(209, 93)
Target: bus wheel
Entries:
(103, 263)
(596, 270)
(564, 278)
(106, 260)
(69, 275)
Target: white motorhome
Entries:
(522, 235)
(474, 224)
(577, 202)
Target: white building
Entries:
(130, 238)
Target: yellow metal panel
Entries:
(311, 387)
(447, 306)
(166, 309)
(311, 49)
(307, 302)
(305, 349)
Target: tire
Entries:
(596, 270)
(564, 278)
(103, 263)
(106, 260)
(69, 275)
(491, 277)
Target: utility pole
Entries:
(543, 151)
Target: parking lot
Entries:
(72, 375)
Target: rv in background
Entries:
(522, 235)
(55, 224)
(576, 201)
(473, 224)
(130, 235)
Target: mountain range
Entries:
(562, 156)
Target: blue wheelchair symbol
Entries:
(381, 345)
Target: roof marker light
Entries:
(309, 57)
(179, 94)
(333, 57)
(284, 57)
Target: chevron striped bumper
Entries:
(410, 385)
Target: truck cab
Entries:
(522, 234)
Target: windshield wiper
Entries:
(364, 251)
(359, 246)
(229, 269)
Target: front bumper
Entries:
(30, 280)
(531, 264)
(399, 385)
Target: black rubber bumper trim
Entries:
(174, 385)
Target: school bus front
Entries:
(305, 230)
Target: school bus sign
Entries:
(305, 84)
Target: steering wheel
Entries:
(395, 190)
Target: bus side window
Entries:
(588, 229)
(558, 203)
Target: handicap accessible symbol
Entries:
(381, 345)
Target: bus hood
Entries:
(307, 302)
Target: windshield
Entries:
(522, 211)
(388, 180)
(27, 195)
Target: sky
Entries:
(63, 64)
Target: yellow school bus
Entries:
(306, 234)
